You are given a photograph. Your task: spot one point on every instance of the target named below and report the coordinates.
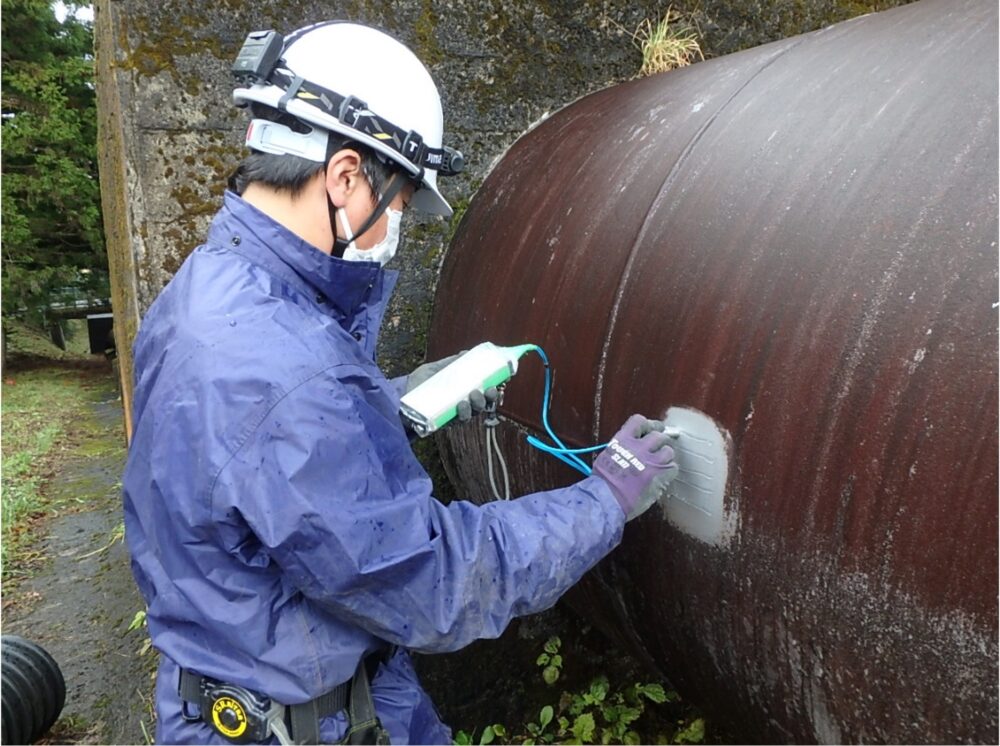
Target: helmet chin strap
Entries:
(396, 182)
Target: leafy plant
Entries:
(139, 622)
(550, 660)
(598, 714)
(490, 734)
(693, 733)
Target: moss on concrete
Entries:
(158, 42)
(426, 44)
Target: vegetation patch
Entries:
(73, 729)
(45, 394)
(667, 44)
(625, 712)
(53, 239)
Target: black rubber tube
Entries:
(10, 731)
(24, 695)
(37, 695)
(33, 690)
(51, 678)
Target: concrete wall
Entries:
(170, 135)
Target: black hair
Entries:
(290, 172)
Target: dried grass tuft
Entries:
(670, 43)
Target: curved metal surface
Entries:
(799, 240)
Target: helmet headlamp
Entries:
(397, 115)
(258, 57)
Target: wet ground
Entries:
(78, 602)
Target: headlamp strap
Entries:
(290, 92)
(396, 182)
(354, 113)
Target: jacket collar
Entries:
(348, 286)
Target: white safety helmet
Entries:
(356, 81)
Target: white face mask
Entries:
(381, 252)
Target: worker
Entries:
(286, 540)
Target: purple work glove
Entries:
(638, 464)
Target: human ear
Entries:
(343, 176)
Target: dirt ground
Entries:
(79, 598)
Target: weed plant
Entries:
(598, 714)
(667, 44)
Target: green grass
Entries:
(45, 392)
(36, 408)
(26, 343)
(77, 338)
(667, 44)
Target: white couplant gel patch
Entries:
(695, 499)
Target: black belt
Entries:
(240, 714)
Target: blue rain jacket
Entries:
(279, 524)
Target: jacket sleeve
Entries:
(399, 385)
(329, 486)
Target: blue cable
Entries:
(567, 455)
(562, 452)
(542, 446)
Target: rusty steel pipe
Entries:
(799, 240)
